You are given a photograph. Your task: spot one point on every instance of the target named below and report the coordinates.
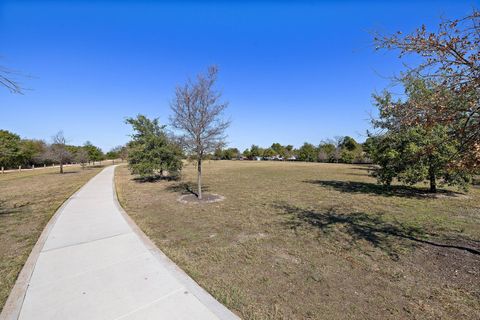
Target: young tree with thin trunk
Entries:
(57, 151)
(82, 157)
(198, 113)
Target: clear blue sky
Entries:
(292, 71)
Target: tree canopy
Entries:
(450, 67)
(414, 153)
(151, 151)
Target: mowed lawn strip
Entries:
(316, 241)
(28, 200)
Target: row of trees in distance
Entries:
(15, 152)
(339, 150)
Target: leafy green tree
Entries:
(414, 153)
(114, 153)
(123, 153)
(230, 153)
(94, 152)
(279, 150)
(449, 58)
(269, 152)
(349, 143)
(247, 154)
(32, 151)
(307, 152)
(255, 151)
(289, 151)
(347, 156)
(10, 149)
(151, 151)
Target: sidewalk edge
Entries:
(201, 294)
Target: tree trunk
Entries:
(433, 180)
(61, 167)
(199, 177)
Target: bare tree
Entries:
(8, 82)
(57, 151)
(82, 157)
(337, 142)
(197, 112)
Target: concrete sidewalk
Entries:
(96, 264)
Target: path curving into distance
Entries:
(93, 262)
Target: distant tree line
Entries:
(15, 152)
(338, 150)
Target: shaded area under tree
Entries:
(371, 228)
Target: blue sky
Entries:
(292, 71)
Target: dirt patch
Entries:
(206, 198)
(243, 237)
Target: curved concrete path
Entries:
(96, 264)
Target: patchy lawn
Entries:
(28, 200)
(316, 241)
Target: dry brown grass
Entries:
(28, 200)
(316, 241)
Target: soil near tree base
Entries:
(206, 198)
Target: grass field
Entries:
(28, 200)
(316, 241)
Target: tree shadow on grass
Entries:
(376, 189)
(155, 178)
(363, 226)
(186, 188)
(365, 168)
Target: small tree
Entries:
(151, 151)
(81, 157)
(197, 112)
(10, 149)
(57, 151)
